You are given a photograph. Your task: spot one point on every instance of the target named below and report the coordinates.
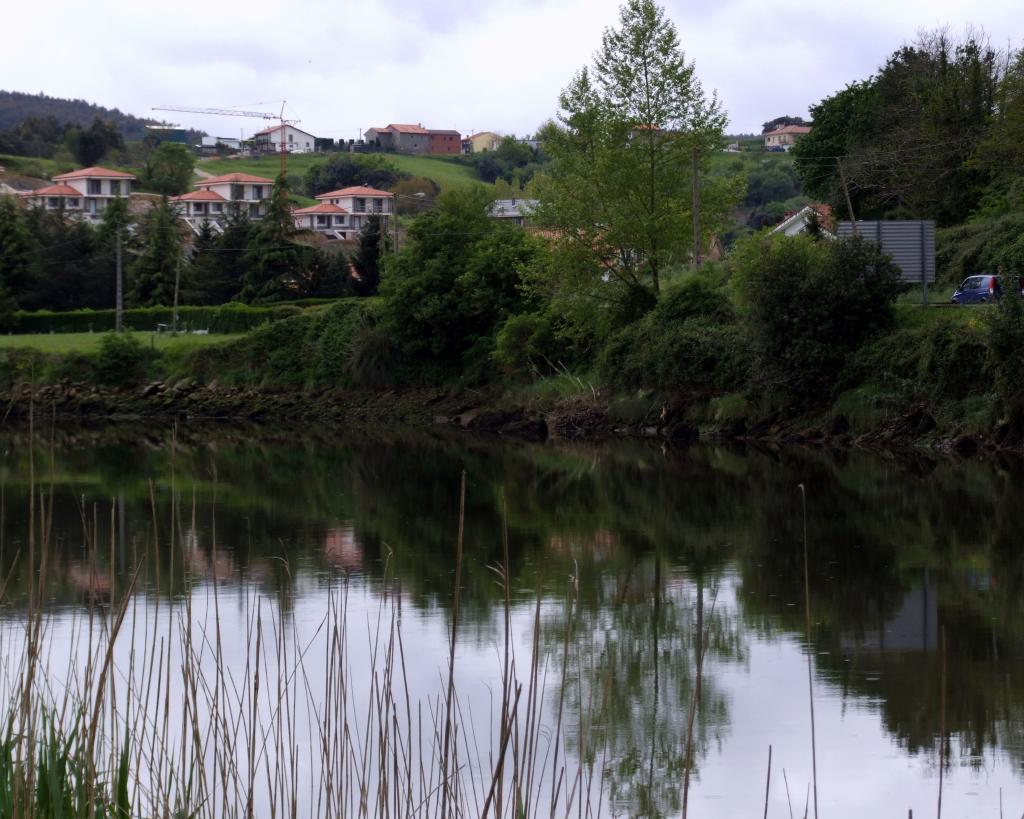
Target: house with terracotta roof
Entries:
(296, 141)
(348, 211)
(323, 217)
(215, 197)
(414, 139)
(84, 193)
(785, 137)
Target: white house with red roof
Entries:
(84, 193)
(785, 137)
(217, 196)
(357, 204)
(295, 139)
(323, 217)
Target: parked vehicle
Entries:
(985, 288)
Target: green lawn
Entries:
(89, 342)
(445, 172)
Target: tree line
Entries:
(49, 261)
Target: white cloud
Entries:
(447, 63)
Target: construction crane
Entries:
(233, 112)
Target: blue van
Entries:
(983, 289)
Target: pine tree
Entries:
(367, 259)
(273, 261)
(154, 270)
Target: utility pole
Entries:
(394, 219)
(846, 193)
(119, 299)
(696, 209)
(177, 286)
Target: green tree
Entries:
(619, 195)
(17, 256)
(372, 243)
(907, 137)
(454, 282)
(68, 275)
(90, 145)
(169, 169)
(273, 261)
(154, 270)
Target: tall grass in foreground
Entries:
(151, 709)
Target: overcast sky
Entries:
(472, 66)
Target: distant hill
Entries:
(16, 107)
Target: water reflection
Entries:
(635, 552)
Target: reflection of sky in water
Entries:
(861, 769)
(900, 554)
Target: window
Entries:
(95, 187)
(257, 191)
(361, 205)
(53, 202)
(254, 211)
(321, 220)
(217, 207)
(238, 192)
(339, 220)
(115, 187)
(72, 203)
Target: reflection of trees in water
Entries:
(630, 677)
(267, 511)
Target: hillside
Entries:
(16, 107)
(446, 173)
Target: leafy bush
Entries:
(1005, 343)
(688, 342)
(984, 247)
(305, 350)
(809, 304)
(524, 344)
(120, 360)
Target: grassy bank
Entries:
(446, 173)
(83, 343)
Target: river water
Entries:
(341, 551)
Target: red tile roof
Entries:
(94, 172)
(323, 207)
(53, 190)
(357, 190)
(199, 196)
(233, 178)
(402, 129)
(789, 129)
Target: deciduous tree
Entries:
(619, 197)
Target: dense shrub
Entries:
(688, 342)
(307, 350)
(1005, 343)
(524, 345)
(120, 360)
(810, 303)
(982, 247)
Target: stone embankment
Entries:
(571, 419)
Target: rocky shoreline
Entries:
(566, 419)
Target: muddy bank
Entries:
(587, 419)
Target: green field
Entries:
(445, 172)
(32, 166)
(90, 342)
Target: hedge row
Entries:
(228, 318)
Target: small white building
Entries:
(211, 143)
(216, 197)
(84, 194)
(323, 217)
(359, 203)
(517, 211)
(296, 140)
